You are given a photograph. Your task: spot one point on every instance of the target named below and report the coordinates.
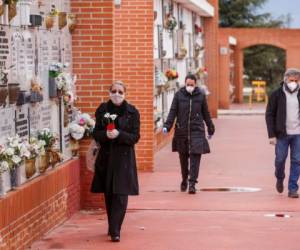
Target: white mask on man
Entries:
(292, 85)
(116, 98)
(190, 89)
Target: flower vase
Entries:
(62, 20)
(30, 168)
(72, 22)
(54, 158)
(3, 95)
(12, 10)
(44, 162)
(110, 126)
(66, 116)
(74, 145)
(49, 22)
(2, 9)
(52, 87)
(13, 177)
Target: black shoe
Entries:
(115, 238)
(279, 186)
(293, 195)
(183, 186)
(192, 189)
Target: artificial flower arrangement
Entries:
(50, 155)
(82, 126)
(170, 22)
(182, 52)
(110, 121)
(171, 74)
(198, 29)
(36, 94)
(201, 72)
(50, 18)
(34, 148)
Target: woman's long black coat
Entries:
(190, 113)
(115, 167)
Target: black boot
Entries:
(192, 188)
(183, 186)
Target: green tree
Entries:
(243, 13)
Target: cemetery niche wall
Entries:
(37, 90)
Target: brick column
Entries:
(211, 29)
(133, 63)
(93, 64)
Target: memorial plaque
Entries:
(22, 126)
(45, 118)
(17, 56)
(55, 54)
(7, 123)
(35, 118)
(67, 49)
(44, 51)
(4, 49)
(29, 53)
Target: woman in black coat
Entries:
(115, 167)
(190, 110)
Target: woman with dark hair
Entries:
(190, 109)
(117, 131)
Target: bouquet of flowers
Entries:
(47, 138)
(82, 126)
(16, 151)
(110, 121)
(35, 147)
(64, 82)
(55, 69)
(171, 74)
(170, 22)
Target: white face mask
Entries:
(292, 85)
(116, 98)
(190, 89)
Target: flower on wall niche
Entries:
(170, 22)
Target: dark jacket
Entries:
(115, 167)
(276, 113)
(190, 112)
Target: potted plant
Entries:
(49, 140)
(34, 147)
(50, 18)
(201, 72)
(58, 80)
(198, 29)
(181, 53)
(15, 152)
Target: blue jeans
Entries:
(281, 151)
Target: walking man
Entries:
(189, 108)
(283, 123)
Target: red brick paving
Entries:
(162, 218)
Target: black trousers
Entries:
(116, 206)
(193, 172)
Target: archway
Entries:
(285, 39)
(263, 62)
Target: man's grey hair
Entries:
(291, 72)
(118, 82)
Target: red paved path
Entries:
(162, 218)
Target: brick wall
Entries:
(93, 65)
(211, 28)
(38, 206)
(133, 63)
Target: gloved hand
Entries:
(165, 130)
(112, 134)
(209, 137)
(273, 141)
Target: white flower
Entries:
(76, 131)
(41, 143)
(16, 159)
(113, 117)
(107, 115)
(85, 116)
(9, 151)
(4, 166)
(2, 149)
(91, 123)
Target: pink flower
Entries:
(81, 122)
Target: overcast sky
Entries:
(283, 7)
